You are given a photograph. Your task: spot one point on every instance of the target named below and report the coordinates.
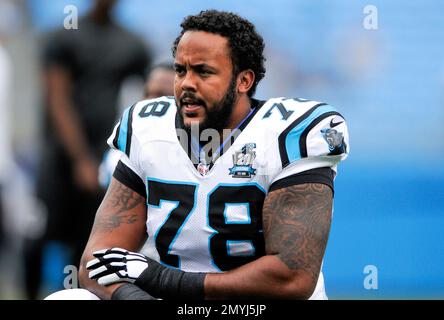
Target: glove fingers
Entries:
(116, 265)
(117, 257)
(137, 255)
(113, 257)
(102, 252)
(105, 270)
(99, 253)
(106, 259)
(96, 273)
(118, 250)
(92, 264)
(110, 279)
(119, 265)
(129, 258)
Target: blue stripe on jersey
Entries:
(123, 132)
(293, 137)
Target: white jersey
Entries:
(204, 220)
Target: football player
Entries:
(233, 194)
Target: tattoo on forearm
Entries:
(118, 203)
(296, 225)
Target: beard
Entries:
(218, 116)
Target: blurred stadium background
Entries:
(388, 83)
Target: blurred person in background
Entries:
(6, 158)
(159, 82)
(21, 214)
(83, 71)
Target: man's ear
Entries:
(245, 80)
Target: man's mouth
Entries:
(191, 106)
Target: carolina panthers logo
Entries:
(243, 162)
(335, 141)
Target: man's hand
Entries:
(86, 171)
(120, 222)
(117, 265)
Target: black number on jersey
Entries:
(156, 108)
(184, 194)
(284, 112)
(250, 231)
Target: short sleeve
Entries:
(124, 140)
(318, 140)
(57, 50)
(129, 178)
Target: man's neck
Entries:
(240, 111)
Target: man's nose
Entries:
(189, 82)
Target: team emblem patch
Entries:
(335, 141)
(243, 162)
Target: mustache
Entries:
(190, 98)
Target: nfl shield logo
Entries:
(202, 168)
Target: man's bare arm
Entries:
(120, 222)
(68, 127)
(296, 226)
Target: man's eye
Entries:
(205, 72)
(180, 71)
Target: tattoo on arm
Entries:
(117, 207)
(296, 225)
